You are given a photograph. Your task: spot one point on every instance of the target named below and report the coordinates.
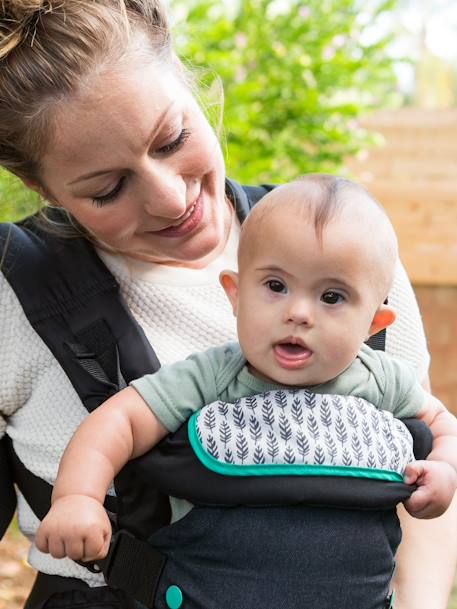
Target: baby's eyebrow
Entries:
(338, 281)
(272, 269)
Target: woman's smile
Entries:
(186, 224)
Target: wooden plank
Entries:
(414, 175)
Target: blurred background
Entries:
(363, 88)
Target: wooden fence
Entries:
(414, 175)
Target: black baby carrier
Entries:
(282, 540)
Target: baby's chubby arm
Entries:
(436, 477)
(122, 428)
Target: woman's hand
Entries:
(76, 526)
(437, 483)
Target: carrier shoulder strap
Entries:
(7, 492)
(74, 304)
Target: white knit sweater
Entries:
(181, 311)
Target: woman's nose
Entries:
(164, 192)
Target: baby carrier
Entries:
(251, 541)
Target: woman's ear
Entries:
(384, 317)
(229, 281)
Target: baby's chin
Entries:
(287, 378)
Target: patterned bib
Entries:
(296, 432)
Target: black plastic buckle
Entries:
(132, 565)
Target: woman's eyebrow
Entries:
(149, 139)
(88, 176)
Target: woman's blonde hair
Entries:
(48, 50)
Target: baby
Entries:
(316, 261)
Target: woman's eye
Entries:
(175, 144)
(330, 297)
(276, 286)
(109, 196)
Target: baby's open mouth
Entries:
(292, 348)
(292, 354)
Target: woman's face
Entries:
(137, 164)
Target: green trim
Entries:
(391, 600)
(282, 469)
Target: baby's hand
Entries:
(437, 483)
(76, 526)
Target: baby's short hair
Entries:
(319, 195)
(318, 199)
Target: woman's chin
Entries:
(198, 256)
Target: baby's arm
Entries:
(122, 428)
(437, 476)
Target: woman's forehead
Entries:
(139, 95)
(119, 115)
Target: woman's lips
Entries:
(191, 220)
(292, 355)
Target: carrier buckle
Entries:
(132, 565)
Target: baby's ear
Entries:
(229, 281)
(384, 317)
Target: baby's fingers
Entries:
(56, 547)
(419, 502)
(96, 546)
(74, 548)
(41, 539)
(413, 471)
(49, 540)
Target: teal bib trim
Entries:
(281, 469)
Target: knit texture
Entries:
(181, 311)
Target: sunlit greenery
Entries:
(296, 76)
(16, 201)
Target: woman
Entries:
(96, 114)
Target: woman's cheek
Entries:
(109, 225)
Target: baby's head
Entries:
(316, 262)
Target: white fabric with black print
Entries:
(296, 427)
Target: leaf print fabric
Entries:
(299, 427)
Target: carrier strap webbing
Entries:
(8, 500)
(74, 304)
(133, 566)
(36, 491)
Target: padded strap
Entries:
(133, 566)
(74, 304)
(7, 494)
(37, 492)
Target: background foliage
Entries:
(16, 201)
(295, 75)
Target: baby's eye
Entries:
(276, 286)
(331, 297)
